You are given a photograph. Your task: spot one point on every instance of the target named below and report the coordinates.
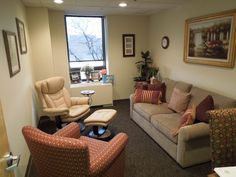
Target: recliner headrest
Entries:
(52, 85)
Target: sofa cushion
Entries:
(220, 102)
(171, 84)
(147, 110)
(159, 87)
(206, 105)
(179, 100)
(187, 118)
(147, 96)
(167, 124)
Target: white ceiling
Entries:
(107, 7)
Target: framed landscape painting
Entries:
(210, 39)
(11, 47)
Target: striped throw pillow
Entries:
(147, 96)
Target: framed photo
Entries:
(210, 39)
(108, 79)
(128, 45)
(11, 47)
(21, 34)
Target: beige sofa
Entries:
(192, 145)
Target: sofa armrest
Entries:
(193, 144)
(108, 155)
(71, 131)
(131, 99)
(79, 100)
(56, 111)
(194, 131)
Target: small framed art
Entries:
(128, 45)
(21, 34)
(11, 47)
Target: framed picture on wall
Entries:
(11, 47)
(210, 39)
(128, 45)
(21, 35)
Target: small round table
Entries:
(89, 94)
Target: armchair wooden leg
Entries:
(58, 122)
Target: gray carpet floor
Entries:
(144, 157)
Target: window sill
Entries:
(83, 84)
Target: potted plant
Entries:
(145, 67)
(87, 69)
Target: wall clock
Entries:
(165, 42)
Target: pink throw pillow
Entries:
(147, 96)
(187, 118)
(179, 100)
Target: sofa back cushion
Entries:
(171, 84)
(220, 102)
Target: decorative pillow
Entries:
(206, 105)
(141, 85)
(159, 87)
(186, 119)
(147, 96)
(179, 100)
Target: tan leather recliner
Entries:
(57, 103)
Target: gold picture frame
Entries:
(210, 39)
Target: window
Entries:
(85, 42)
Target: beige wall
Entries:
(59, 46)
(40, 38)
(16, 92)
(124, 69)
(54, 59)
(170, 61)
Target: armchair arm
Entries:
(71, 131)
(79, 100)
(108, 155)
(193, 131)
(56, 111)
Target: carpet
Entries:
(144, 157)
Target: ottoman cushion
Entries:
(100, 117)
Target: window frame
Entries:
(103, 43)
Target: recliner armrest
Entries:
(194, 131)
(71, 131)
(79, 100)
(56, 111)
(107, 156)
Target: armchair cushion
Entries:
(79, 100)
(52, 85)
(56, 111)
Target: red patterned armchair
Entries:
(223, 137)
(67, 153)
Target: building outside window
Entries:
(85, 43)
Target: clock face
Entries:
(165, 42)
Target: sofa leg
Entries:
(58, 122)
